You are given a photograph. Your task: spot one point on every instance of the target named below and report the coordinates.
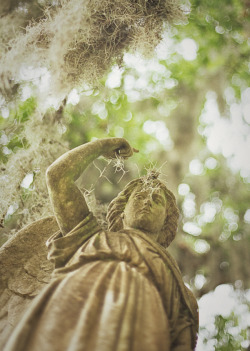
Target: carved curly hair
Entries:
(117, 206)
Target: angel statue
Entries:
(110, 290)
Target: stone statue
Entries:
(116, 289)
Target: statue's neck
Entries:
(152, 236)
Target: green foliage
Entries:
(11, 128)
(109, 115)
(228, 335)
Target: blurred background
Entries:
(186, 107)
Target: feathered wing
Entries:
(24, 271)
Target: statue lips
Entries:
(142, 211)
(145, 210)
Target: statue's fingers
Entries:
(131, 151)
(126, 153)
(119, 153)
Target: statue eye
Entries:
(158, 199)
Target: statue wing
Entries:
(24, 271)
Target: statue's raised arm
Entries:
(68, 202)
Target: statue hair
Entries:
(117, 206)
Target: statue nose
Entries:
(147, 201)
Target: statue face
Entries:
(146, 210)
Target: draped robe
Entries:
(111, 291)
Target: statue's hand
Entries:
(117, 147)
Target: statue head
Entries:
(146, 204)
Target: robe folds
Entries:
(110, 291)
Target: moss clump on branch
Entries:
(80, 40)
(44, 145)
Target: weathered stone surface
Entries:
(24, 271)
(112, 290)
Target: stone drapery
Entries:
(111, 291)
